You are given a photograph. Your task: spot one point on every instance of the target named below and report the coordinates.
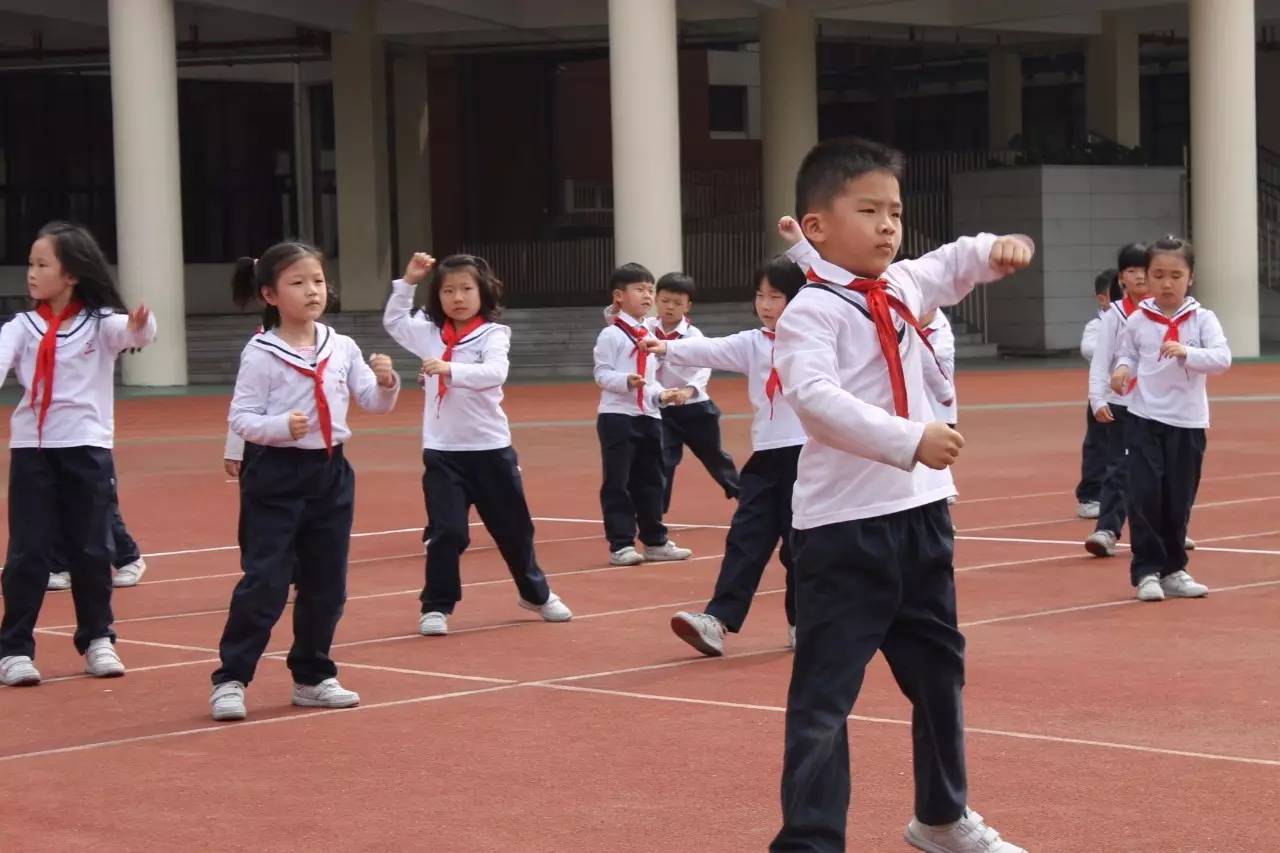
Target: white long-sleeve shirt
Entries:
(1103, 362)
(615, 359)
(940, 371)
(1089, 338)
(269, 388)
(671, 375)
(749, 353)
(470, 417)
(859, 461)
(82, 408)
(1172, 390)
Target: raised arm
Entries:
(134, 330)
(375, 387)
(732, 352)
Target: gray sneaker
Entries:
(666, 551)
(1101, 544)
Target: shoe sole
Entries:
(29, 681)
(535, 608)
(690, 635)
(228, 716)
(133, 582)
(110, 673)
(1168, 594)
(434, 633)
(628, 562)
(316, 703)
(1152, 598)
(649, 559)
(1097, 549)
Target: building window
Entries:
(728, 109)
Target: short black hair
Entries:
(1105, 282)
(1171, 245)
(629, 274)
(1132, 255)
(782, 274)
(677, 282)
(830, 165)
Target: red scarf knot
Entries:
(452, 336)
(637, 333)
(322, 401)
(47, 360)
(773, 385)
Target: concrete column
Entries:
(361, 153)
(1112, 90)
(144, 106)
(788, 109)
(645, 106)
(1004, 97)
(413, 163)
(1224, 166)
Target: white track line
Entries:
(1080, 544)
(1071, 494)
(973, 730)
(309, 714)
(1075, 519)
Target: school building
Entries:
(556, 137)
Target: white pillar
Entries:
(413, 163)
(144, 117)
(360, 124)
(788, 109)
(1224, 166)
(1112, 85)
(1004, 97)
(645, 105)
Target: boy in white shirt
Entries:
(1093, 453)
(873, 538)
(629, 425)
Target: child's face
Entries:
(1169, 278)
(459, 295)
(47, 281)
(300, 292)
(672, 307)
(635, 299)
(861, 229)
(769, 303)
(1134, 282)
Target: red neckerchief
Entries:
(1126, 306)
(47, 359)
(322, 401)
(637, 333)
(452, 335)
(773, 384)
(665, 336)
(879, 302)
(1171, 325)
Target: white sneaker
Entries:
(227, 701)
(327, 694)
(970, 834)
(666, 551)
(101, 660)
(791, 636)
(1188, 544)
(433, 624)
(701, 630)
(625, 556)
(18, 671)
(1182, 585)
(1150, 589)
(1101, 544)
(1088, 509)
(59, 581)
(129, 574)
(554, 610)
